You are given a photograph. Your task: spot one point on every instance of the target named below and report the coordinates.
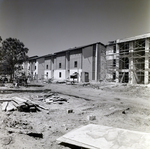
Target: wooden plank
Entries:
(37, 105)
(103, 137)
(10, 107)
(4, 106)
(5, 100)
(15, 104)
(19, 100)
(122, 77)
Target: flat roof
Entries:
(33, 57)
(44, 56)
(133, 38)
(76, 48)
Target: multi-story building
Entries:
(128, 60)
(122, 60)
(49, 66)
(87, 61)
(30, 67)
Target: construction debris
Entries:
(4, 106)
(70, 111)
(20, 104)
(91, 117)
(29, 133)
(51, 98)
(26, 105)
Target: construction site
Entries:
(82, 115)
(128, 60)
(108, 108)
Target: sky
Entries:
(49, 26)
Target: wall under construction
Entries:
(128, 60)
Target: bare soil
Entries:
(117, 105)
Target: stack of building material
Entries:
(20, 104)
(51, 98)
(55, 99)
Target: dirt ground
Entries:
(117, 105)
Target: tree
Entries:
(13, 52)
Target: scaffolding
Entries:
(130, 60)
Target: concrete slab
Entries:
(103, 137)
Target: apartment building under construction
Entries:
(128, 59)
(122, 60)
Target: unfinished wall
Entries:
(131, 62)
(87, 61)
(138, 57)
(101, 63)
(41, 67)
(111, 62)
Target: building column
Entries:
(146, 72)
(52, 66)
(67, 64)
(117, 63)
(96, 59)
(131, 76)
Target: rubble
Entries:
(70, 111)
(51, 98)
(4, 106)
(20, 104)
(91, 117)
(29, 133)
(111, 108)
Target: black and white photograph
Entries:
(74, 74)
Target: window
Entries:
(47, 74)
(59, 65)
(59, 74)
(114, 76)
(114, 62)
(75, 64)
(114, 49)
(46, 66)
(35, 67)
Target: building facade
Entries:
(87, 61)
(122, 60)
(128, 60)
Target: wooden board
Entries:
(103, 137)
(4, 106)
(10, 107)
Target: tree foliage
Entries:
(12, 52)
